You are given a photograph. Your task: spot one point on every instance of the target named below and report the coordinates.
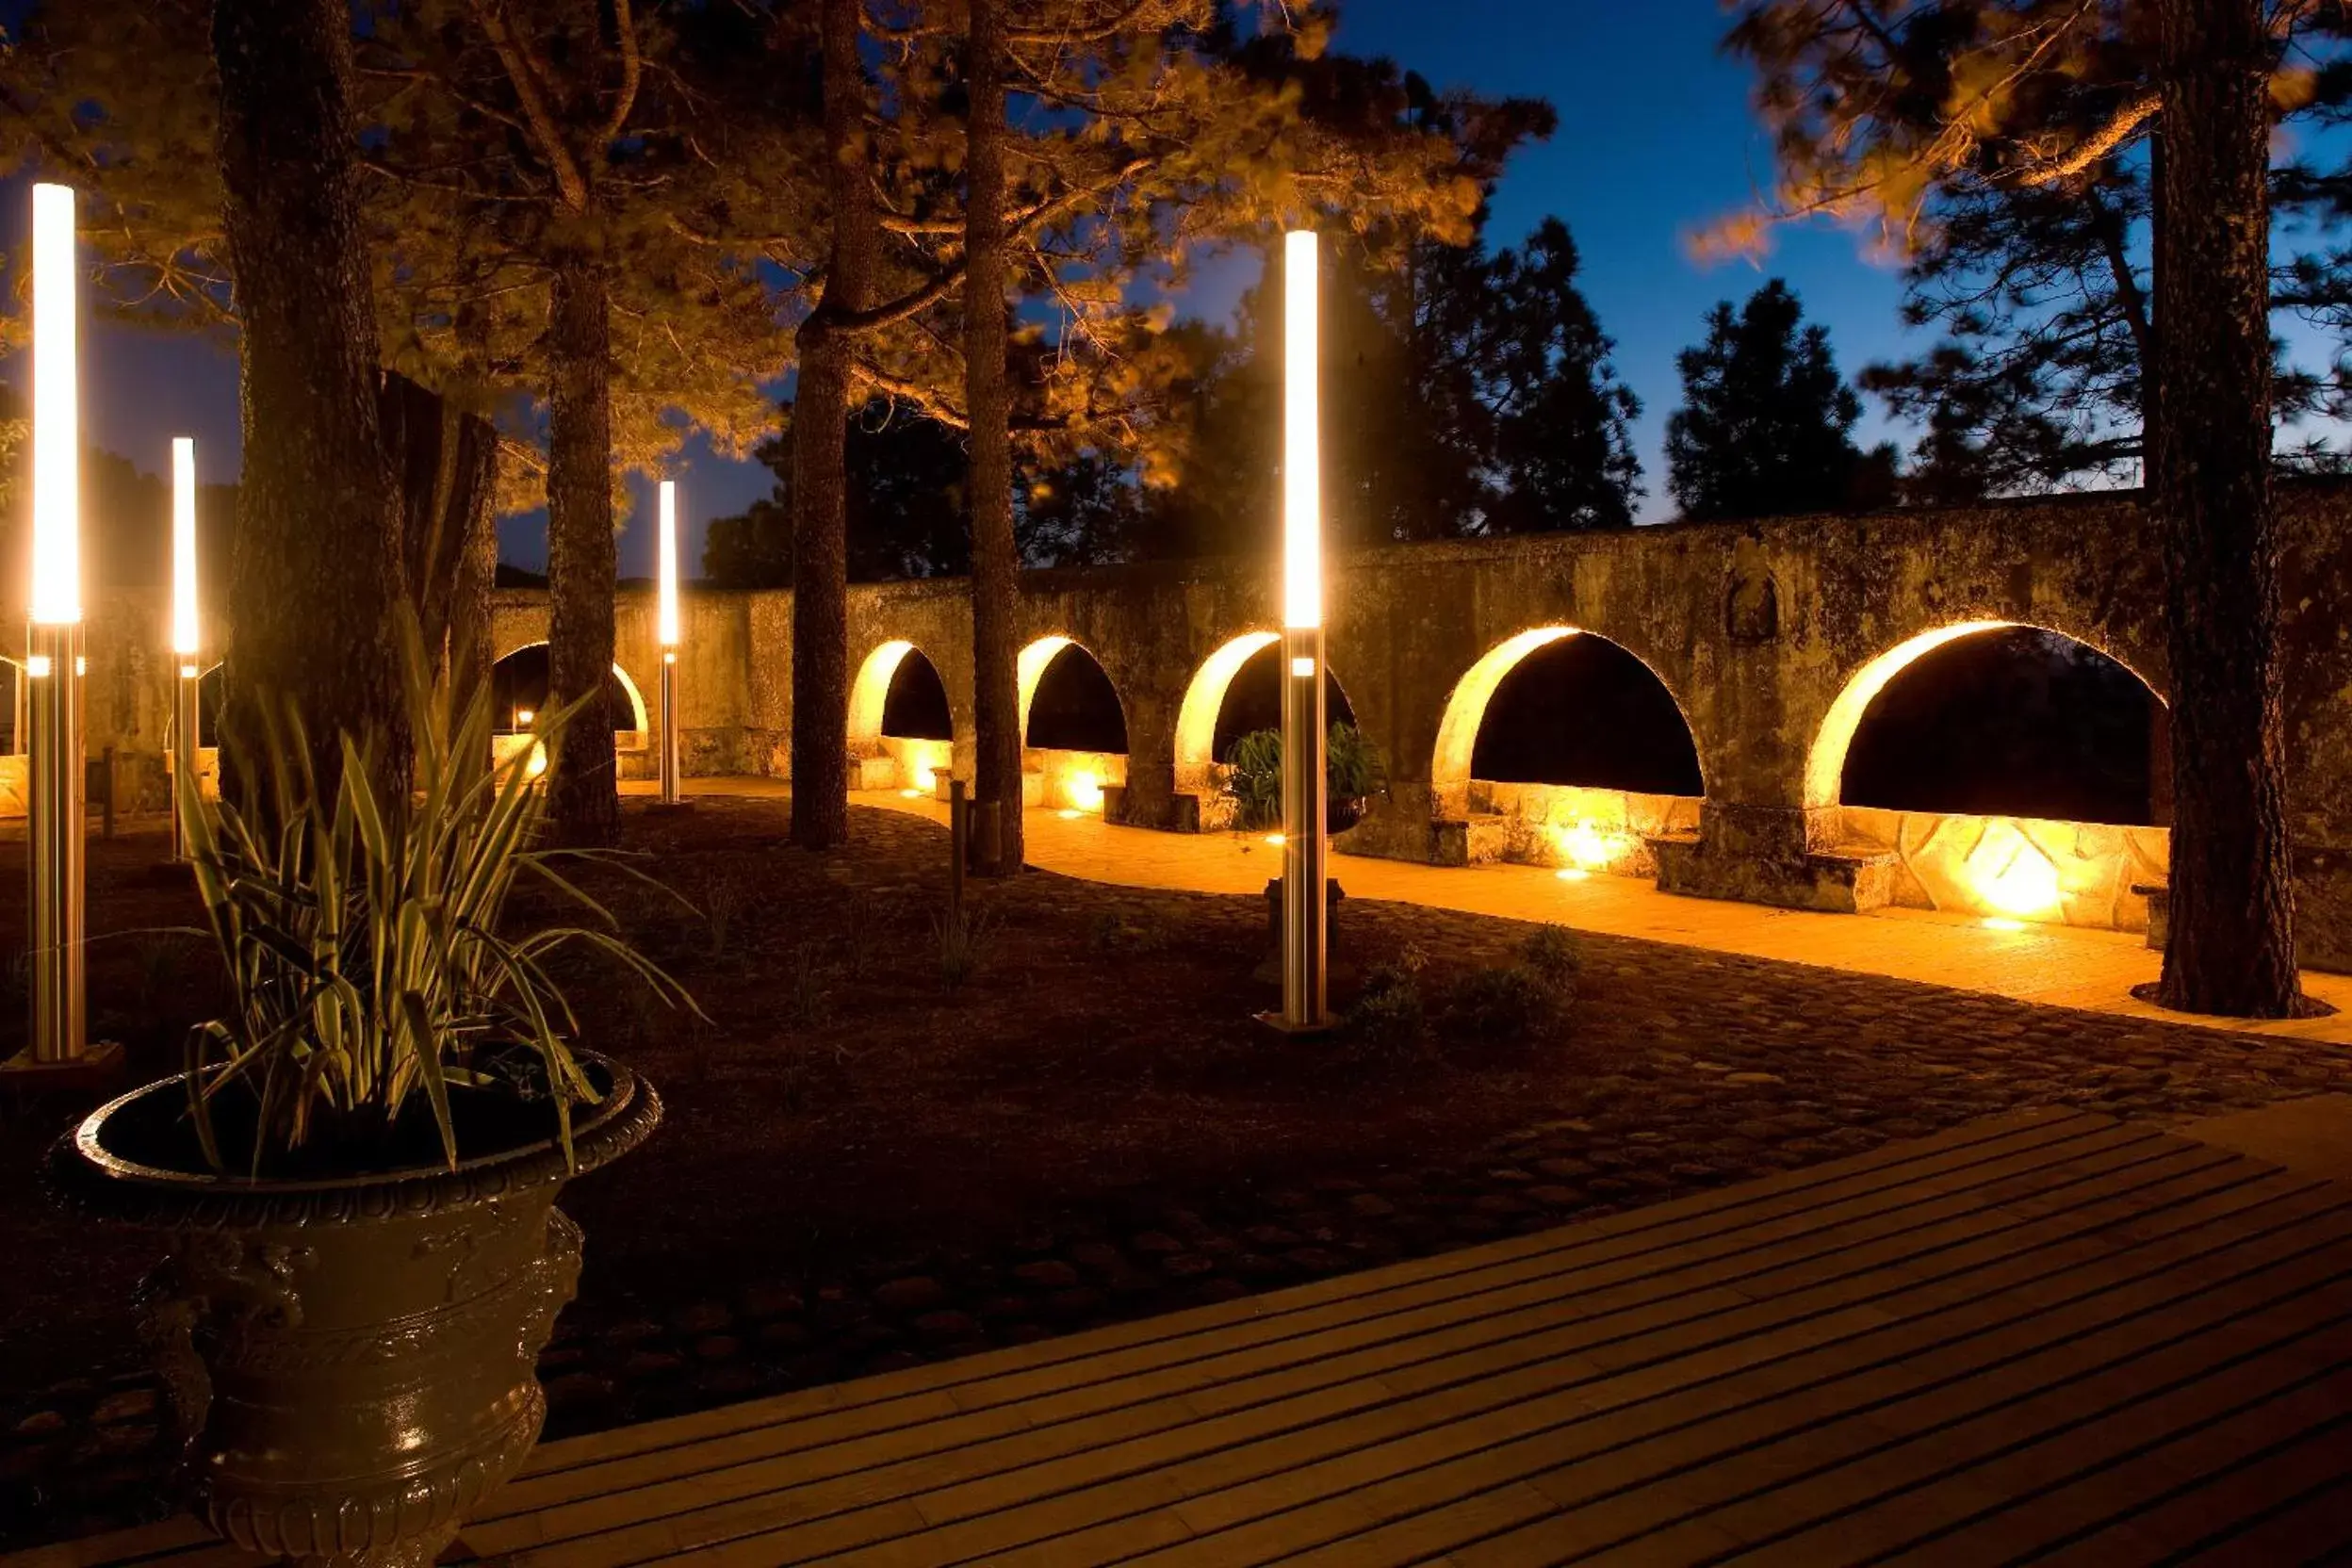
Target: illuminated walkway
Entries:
(2058, 966)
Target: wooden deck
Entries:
(2047, 1337)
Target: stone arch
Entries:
(1072, 781)
(1980, 856)
(1204, 699)
(1039, 657)
(639, 723)
(1581, 827)
(1825, 761)
(880, 761)
(1465, 707)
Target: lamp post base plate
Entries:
(1283, 1027)
(99, 1065)
(668, 807)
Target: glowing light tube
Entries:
(668, 626)
(186, 636)
(1302, 459)
(57, 585)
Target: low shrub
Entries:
(1388, 1019)
(1556, 955)
(1489, 1007)
(963, 938)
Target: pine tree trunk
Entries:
(995, 563)
(582, 784)
(440, 459)
(2232, 939)
(472, 649)
(315, 570)
(820, 478)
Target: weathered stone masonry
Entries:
(1769, 635)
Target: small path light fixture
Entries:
(53, 665)
(1303, 818)
(666, 631)
(187, 634)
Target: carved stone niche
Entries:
(1752, 599)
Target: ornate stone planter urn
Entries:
(352, 1358)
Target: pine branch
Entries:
(631, 73)
(524, 73)
(2120, 128)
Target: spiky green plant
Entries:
(368, 949)
(1352, 770)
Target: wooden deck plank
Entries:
(1817, 1454)
(1290, 1318)
(1240, 1463)
(1597, 1425)
(1977, 1467)
(1613, 1235)
(1646, 1282)
(2313, 1524)
(1096, 1462)
(2045, 1336)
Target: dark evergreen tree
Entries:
(1765, 425)
(1562, 452)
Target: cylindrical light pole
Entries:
(667, 631)
(1303, 823)
(53, 767)
(187, 637)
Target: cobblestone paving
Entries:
(1730, 1069)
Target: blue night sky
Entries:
(1654, 138)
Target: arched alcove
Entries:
(1073, 724)
(900, 725)
(1561, 747)
(518, 685)
(2010, 770)
(1583, 712)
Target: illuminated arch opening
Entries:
(898, 697)
(1073, 728)
(901, 729)
(1576, 784)
(1204, 699)
(211, 693)
(1582, 711)
(1459, 750)
(518, 684)
(1067, 702)
(1240, 689)
(2001, 720)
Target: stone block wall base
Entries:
(1830, 884)
(1123, 805)
(2159, 913)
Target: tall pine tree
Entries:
(1765, 421)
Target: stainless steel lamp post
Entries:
(667, 633)
(187, 636)
(1304, 911)
(54, 666)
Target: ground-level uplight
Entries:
(1304, 837)
(667, 630)
(1573, 873)
(53, 662)
(187, 635)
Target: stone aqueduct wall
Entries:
(1771, 636)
